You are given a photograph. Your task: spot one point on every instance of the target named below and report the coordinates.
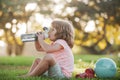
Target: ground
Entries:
(11, 67)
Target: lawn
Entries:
(10, 67)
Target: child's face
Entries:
(52, 33)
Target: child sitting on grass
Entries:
(59, 60)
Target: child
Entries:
(59, 60)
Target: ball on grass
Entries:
(105, 68)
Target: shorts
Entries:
(55, 71)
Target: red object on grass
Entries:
(89, 73)
(81, 75)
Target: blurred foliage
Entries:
(105, 38)
(13, 13)
(105, 14)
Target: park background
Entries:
(96, 24)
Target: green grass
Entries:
(10, 67)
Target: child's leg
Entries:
(43, 66)
(34, 64)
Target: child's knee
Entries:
(49, 58)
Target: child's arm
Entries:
(50, 48)
(46, 47)
(37, 46)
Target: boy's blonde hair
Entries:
(64, 31)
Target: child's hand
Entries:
(40, 35)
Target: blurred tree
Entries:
(12, 14)
(97, 24)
